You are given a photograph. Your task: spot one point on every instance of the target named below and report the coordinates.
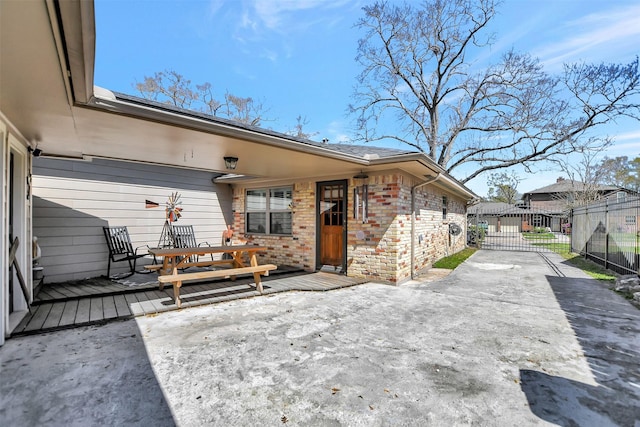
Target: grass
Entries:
(591, 268)
(539, 236)
(561, 248)
(452, 261)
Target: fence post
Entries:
(606, 235)
(606, 250)
(570, 229)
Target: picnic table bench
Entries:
(176, 259)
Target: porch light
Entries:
(230, 162)
(361, 197)
(35, 152)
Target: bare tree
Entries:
(173, 88)
(168, 87)
(416, 73)
(587, 177)
(298, 131)
(243, 110)
(211, 105)
(503, 187)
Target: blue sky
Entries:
(297, 57)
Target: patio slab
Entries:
(525, 340)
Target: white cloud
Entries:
(631, 149)
(628, 136)
(270, 54)
(276, 14)
(602, 34)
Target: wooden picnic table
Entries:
(176, 259)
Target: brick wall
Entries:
(433, 240)
(378, 249)
(374, 248)
(297, 250)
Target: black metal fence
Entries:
(498, 226)
(607, 232)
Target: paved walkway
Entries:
(506, 339)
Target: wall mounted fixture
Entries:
(361, 197)
(35, 152)
(230, 162)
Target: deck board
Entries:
(76, 303)
(95, 311)
(147, 302)
(39, 317)
(55, 314)
(134, 304)
(69, 313)
(82, 314)
(121, 305)
(109, 308)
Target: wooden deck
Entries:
(100, 300)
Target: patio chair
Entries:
(120, 248)
(185, 237)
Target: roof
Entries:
(568, 186)
(500, 208)
(366, 151)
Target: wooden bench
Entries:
(157, 267)
(177, 279)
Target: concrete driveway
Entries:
(526, 340)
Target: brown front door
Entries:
(332, 220)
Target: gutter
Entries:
(413, 219)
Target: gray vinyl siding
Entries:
(73, 200)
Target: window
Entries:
(267, 211)
(537, 220)
(621, 196)
(444, 207)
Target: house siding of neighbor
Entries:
(380, 248)
(73, 200)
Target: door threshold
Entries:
(336, 269)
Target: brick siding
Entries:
(379, 249)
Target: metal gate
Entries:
(504, 227)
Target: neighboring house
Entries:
(76, 157)
(557, 199)
(508, 218)
(560, 196)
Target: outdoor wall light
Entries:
(35, 152)
(230, 162)
(361, 197)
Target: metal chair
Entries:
(120, 248)
(185, 237)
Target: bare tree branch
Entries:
(415, 75)
(174, 89)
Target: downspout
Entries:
(413, 219)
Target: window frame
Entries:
(268, 210)
(445, 202)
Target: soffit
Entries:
(33, 94)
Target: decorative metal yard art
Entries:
(173, 212)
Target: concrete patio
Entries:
(506, 339)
